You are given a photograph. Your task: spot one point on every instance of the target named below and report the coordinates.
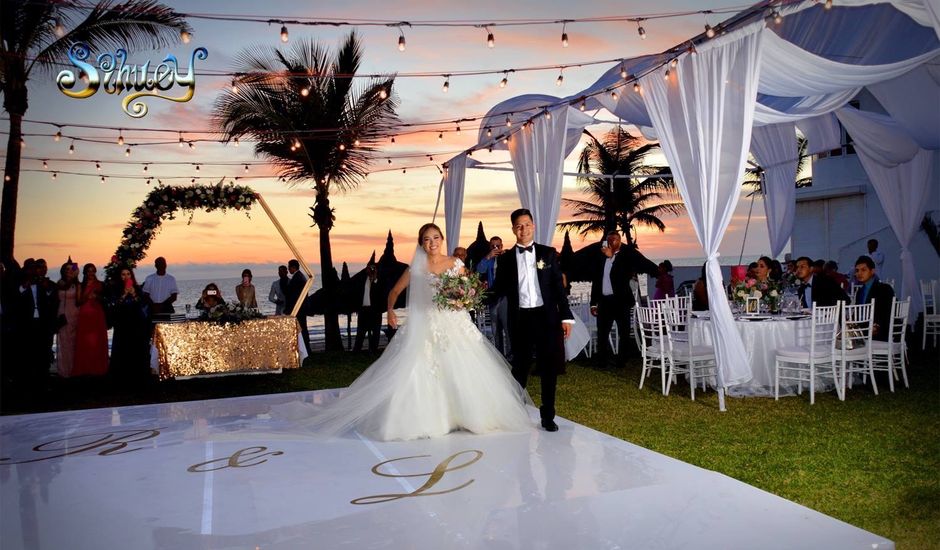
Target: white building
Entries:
(840, 212)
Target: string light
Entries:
(72, 148)
(640, 30)
(561, 78)
(192, 145)
(234, 141)
(666, 75)
(58, 28)
(828, 5)
(636, 87)
(120, 138)
(342, 146)
(145, 169)
(440, 136)
(401, 40)
(564, 36)
(674, 62)
(186, 36)
(102, 179)
(777, 16)
(55, 175)
(389, 161)
(305, 91)
(446, 85)
(393, 139)
(284, 35)
(234, 87)
(383, 93)
(181, 139)
(583, 106)
(458, 129)
(709, 31)
(97, 166)
(623, 72)
(45, 165)
(127, 152)
(246, 168)
(197, 167)
(548, 115)
(489, 132)
(613, 95)
(505, 81)
(490, 40)
(22, 143)
(508, 122)
(57, 136)
(149, 180)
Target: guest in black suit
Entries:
(816, 287)
(369, 317)
(539, 318)
(295, 287)
(33, 313)
(872, 289)
(612, 299)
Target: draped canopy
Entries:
(796, 75)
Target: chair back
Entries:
(682, 302)
(857, 322)
(650, 326)
(853, 291)
(928, 289)
(899, 314)
(825, 328)
(676, 323)
(660, 304)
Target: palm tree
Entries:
(631, 203)
(315, 123)
(753, 179)
(35, 36)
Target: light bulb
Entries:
(389, 161)
(234, 87)
(642, 32)
(72, 149)
(778, 18)
(305, 91)
(127, 152)
(564, 40)
(149, 180)
(404, 170)
(382, 93)
(45, 165)
(102, 179)
(548, 115)
(489, 133)
(181, 139)
(145, 169)
(458, 129)
(583, 106)
(560, 80)
(508, 122)
(192, 145)
(666, 75)
(120, 139)
(98, 166)
(709, 31)
(356, 142)
(393, 139)
(401, 43)
(828, 5)
(440, 136)
(674, 62)
(446, 85)
(235, 141)
(186, 36)
(57, 136)
(614, 96)
(284, 35)
(623, 72)
(246, 168)
(342, 146)
(636, 87)
(55, 175)
(504, 82)
(58, 28)
(490, 41)
(22, 143)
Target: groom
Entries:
(539, 319)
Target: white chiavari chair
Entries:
(684, 357)
(652, 346)
(890, 356)
(854, 346)
(928, 291)
(799, 363)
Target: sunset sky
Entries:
(82, 217)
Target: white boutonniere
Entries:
(540, 264)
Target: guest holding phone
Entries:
(211, 298)
(130, 345)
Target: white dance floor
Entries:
(232, 473)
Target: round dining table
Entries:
(762, 335)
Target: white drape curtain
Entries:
(538, 155)
(775, 149)
(453, 183)
(902, 174)
(704, 115)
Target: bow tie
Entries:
(520, 249)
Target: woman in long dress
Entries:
(91, 338)
(438, 374)
(130, 344)
(69, 295)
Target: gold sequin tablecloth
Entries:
(200, 348)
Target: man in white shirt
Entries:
(539, 318)
(160, 289)
(876, 255)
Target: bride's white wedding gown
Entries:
(438, 374)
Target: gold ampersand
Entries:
(112, 442)
(242, 458)
(433, 478)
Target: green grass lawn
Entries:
(870, 461)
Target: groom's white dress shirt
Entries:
(529, 293)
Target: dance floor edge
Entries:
(245, 473)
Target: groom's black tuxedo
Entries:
(536, 330)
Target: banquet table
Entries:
(762, 335)
(201, 348)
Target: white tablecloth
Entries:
(761, 339)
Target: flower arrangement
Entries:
(459, 292)
(768, 292)
(231, 313)
(162, 203)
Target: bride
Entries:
(438, 374)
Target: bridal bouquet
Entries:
(766, 291)
(459, 292)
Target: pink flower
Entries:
(750, 283)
